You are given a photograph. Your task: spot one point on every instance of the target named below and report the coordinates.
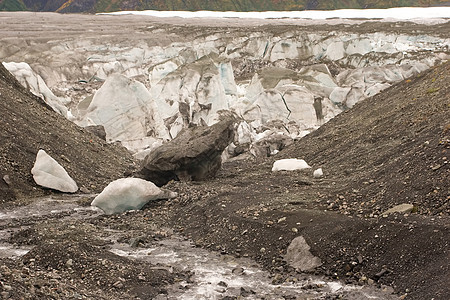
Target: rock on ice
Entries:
(289, 164)
(129, 194)
(48, 173)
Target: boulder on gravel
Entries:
(5, 189)
(299, 257)
(48, 173)
(195, 154)
(401, 208)
(98, 130)
(129, 194)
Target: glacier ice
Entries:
(129, 194)
(154, 89)
(48, 173)
(126, 110)
(32, 81)
(289, 164)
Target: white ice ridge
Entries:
(400, 13)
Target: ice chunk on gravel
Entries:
(129, 194)
(290, 164)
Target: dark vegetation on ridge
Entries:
(93, 6)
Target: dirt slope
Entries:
(390, 149)
(27, 125)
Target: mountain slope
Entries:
(74, 6)
(29, 125)
(12, 5)
(390, 149)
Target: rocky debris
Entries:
(270, 145)
(318, 173)
(98, 130)
(29, 124)
(5, 189)
(195, 154)
(401, 208)
(79, 270)
(341, 215)
(299, 256)
(129, 194)
(34, 83)
(289, 164)
(48, 173)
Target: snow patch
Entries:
(396, 13)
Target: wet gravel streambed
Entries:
(206, 274)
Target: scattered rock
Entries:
(318, 173)
(69, 263)
(238, 271)
(48, 173)
(245, 292)
(222, 284)
(129, 194)
(7, 180)
(98, 130)
(401, 208)
(299, 257)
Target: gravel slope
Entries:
(28, 125)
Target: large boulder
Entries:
(48, 173)
(195, 154)
(129, 194)
(299, 257)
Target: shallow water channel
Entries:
(213, 275)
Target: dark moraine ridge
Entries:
(28, 124)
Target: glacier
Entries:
(282, 81)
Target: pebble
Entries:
(223, 284)
(282, 219)
(69, 263)
(7, 180)
(238, 271)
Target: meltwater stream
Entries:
(213, 276)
